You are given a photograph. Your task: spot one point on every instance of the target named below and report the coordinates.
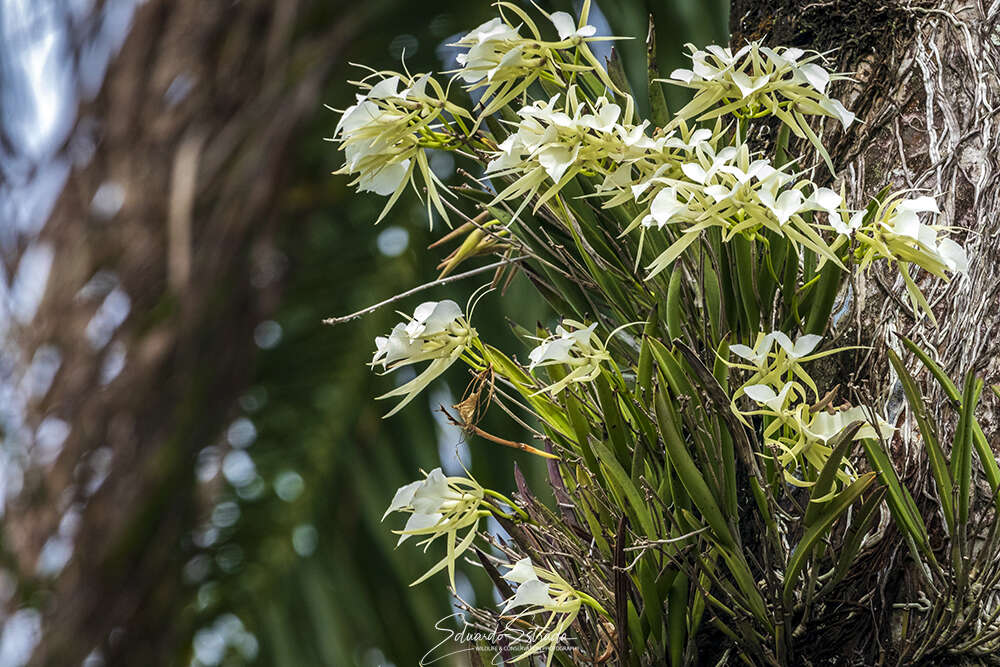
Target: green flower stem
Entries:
(594, 604)
(507, 501)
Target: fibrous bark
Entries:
(927, 87)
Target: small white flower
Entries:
(784, 206)
(437, 332)
(533, 593)
(433, 317)
(825, 426)
(521, 572)
(954, 256)
(665, 206)
(544, 592)
(574, 345)
(813, 74)
(757, 355)
(906, 221)
(440, 506)
(488, 46)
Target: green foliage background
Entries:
(312, 403)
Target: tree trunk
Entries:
(163, 263)
(927, 86)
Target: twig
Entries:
(421, 288)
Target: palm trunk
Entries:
(195, 120)
(927, 89)
(928, 84)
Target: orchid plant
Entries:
(717, 488)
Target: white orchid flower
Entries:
(802, 346)
(757, 355)
(825, 426)
(823, 199)
(896, 233)
(437, 332)
(766, 396)
(433, 317)
(543, 592)
(529, 594)
(665, 207)
(837, 221)
(441, 506)
(787, 83)
(384, 134)
(506, 62)
(488, 46)
(557, 139)
(784, 206)
(575, 345)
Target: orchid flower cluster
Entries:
(541, 591)
(441, 506)
(385, 134)
(756, 81)
(730, 190)
(895, 233)
(577, 347)
(506, 63)
(437, 332)
(553, 144)
(650, 196)
(797, 431)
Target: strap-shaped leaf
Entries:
(860, 523)
(904, 510)
(939, 467)
(986, 456)
(688, 473)
(818, 530)
(828, 475)
(621, 479)
(961, 451)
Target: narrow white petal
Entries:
(521, 572)
(531, 594)
(402, 498)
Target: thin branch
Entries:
(421, 288)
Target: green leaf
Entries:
(828, 475)
(939, 467)
(860, 523)
(961, 451)
(652, 603)
(818, 530)
(659, 113)
(986, 456)
(823, 296)
(644, 373)
(688, 473)
(904, 510)
(674, 313)
(613, 421)
(622, 480)
(745, 283)
(677, 618)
